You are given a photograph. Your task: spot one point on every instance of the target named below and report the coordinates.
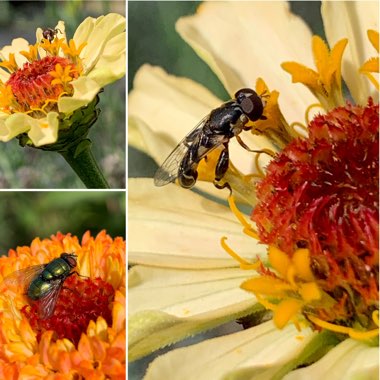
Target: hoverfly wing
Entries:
(46, 304)
(22, 277)
(168, 171)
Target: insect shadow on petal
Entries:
(43, 282)
(213, 131)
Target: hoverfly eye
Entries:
(252, 106)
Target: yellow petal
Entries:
(351, 20)
(373, 36)
(285, 311)
(302, 74)
(301, 261)
(279, 260)
(267, 286)
(310, 292)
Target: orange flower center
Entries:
(79, 302)
(34, 86)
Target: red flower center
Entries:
(79, 302)
(31, 85)
(322, 193)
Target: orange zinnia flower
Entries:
(85, 336)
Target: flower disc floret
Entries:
(34, 85)
(79, 302)
(321, 193)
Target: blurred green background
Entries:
(152, 39)
(31, 168)
(28, 214)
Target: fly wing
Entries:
(22, 277)
(47, 303)
(168, 171)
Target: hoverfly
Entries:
(50, 34)
(43, 282)
(214, 130)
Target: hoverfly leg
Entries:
(246, 147)
(221, 187)
(187, 179)
(222, 164)
(221, 168)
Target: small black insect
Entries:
(50, 34)
(214, 130)
(44, 282)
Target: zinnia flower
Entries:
(84, 338)
(49, 90)
(315, 203)
(43, 84)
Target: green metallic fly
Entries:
(43, 282)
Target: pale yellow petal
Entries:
(85, 90)
(255, 353)
(184, 229)
(111, 64)
(242, 41)
(352, 19)
(14, 125)
(185, 293)
(350, 360)
(44, 131)
(18, 44)
(98, 32)
(169, 105)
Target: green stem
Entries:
(82, 161)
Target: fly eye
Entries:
(252, 106)
(250, 103)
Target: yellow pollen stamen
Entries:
(258, 167)
(243, 263)
(375, 317)
(372, 65)
(240, 217)
(326, 82)
(286, 311)
(354, 334)
(61, 75)
(71, 50)
(32, 54)
(11, 64)
(373, 36)
(308, 109)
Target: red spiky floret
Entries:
(321, 193)
(31, 85)
(79, 302)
